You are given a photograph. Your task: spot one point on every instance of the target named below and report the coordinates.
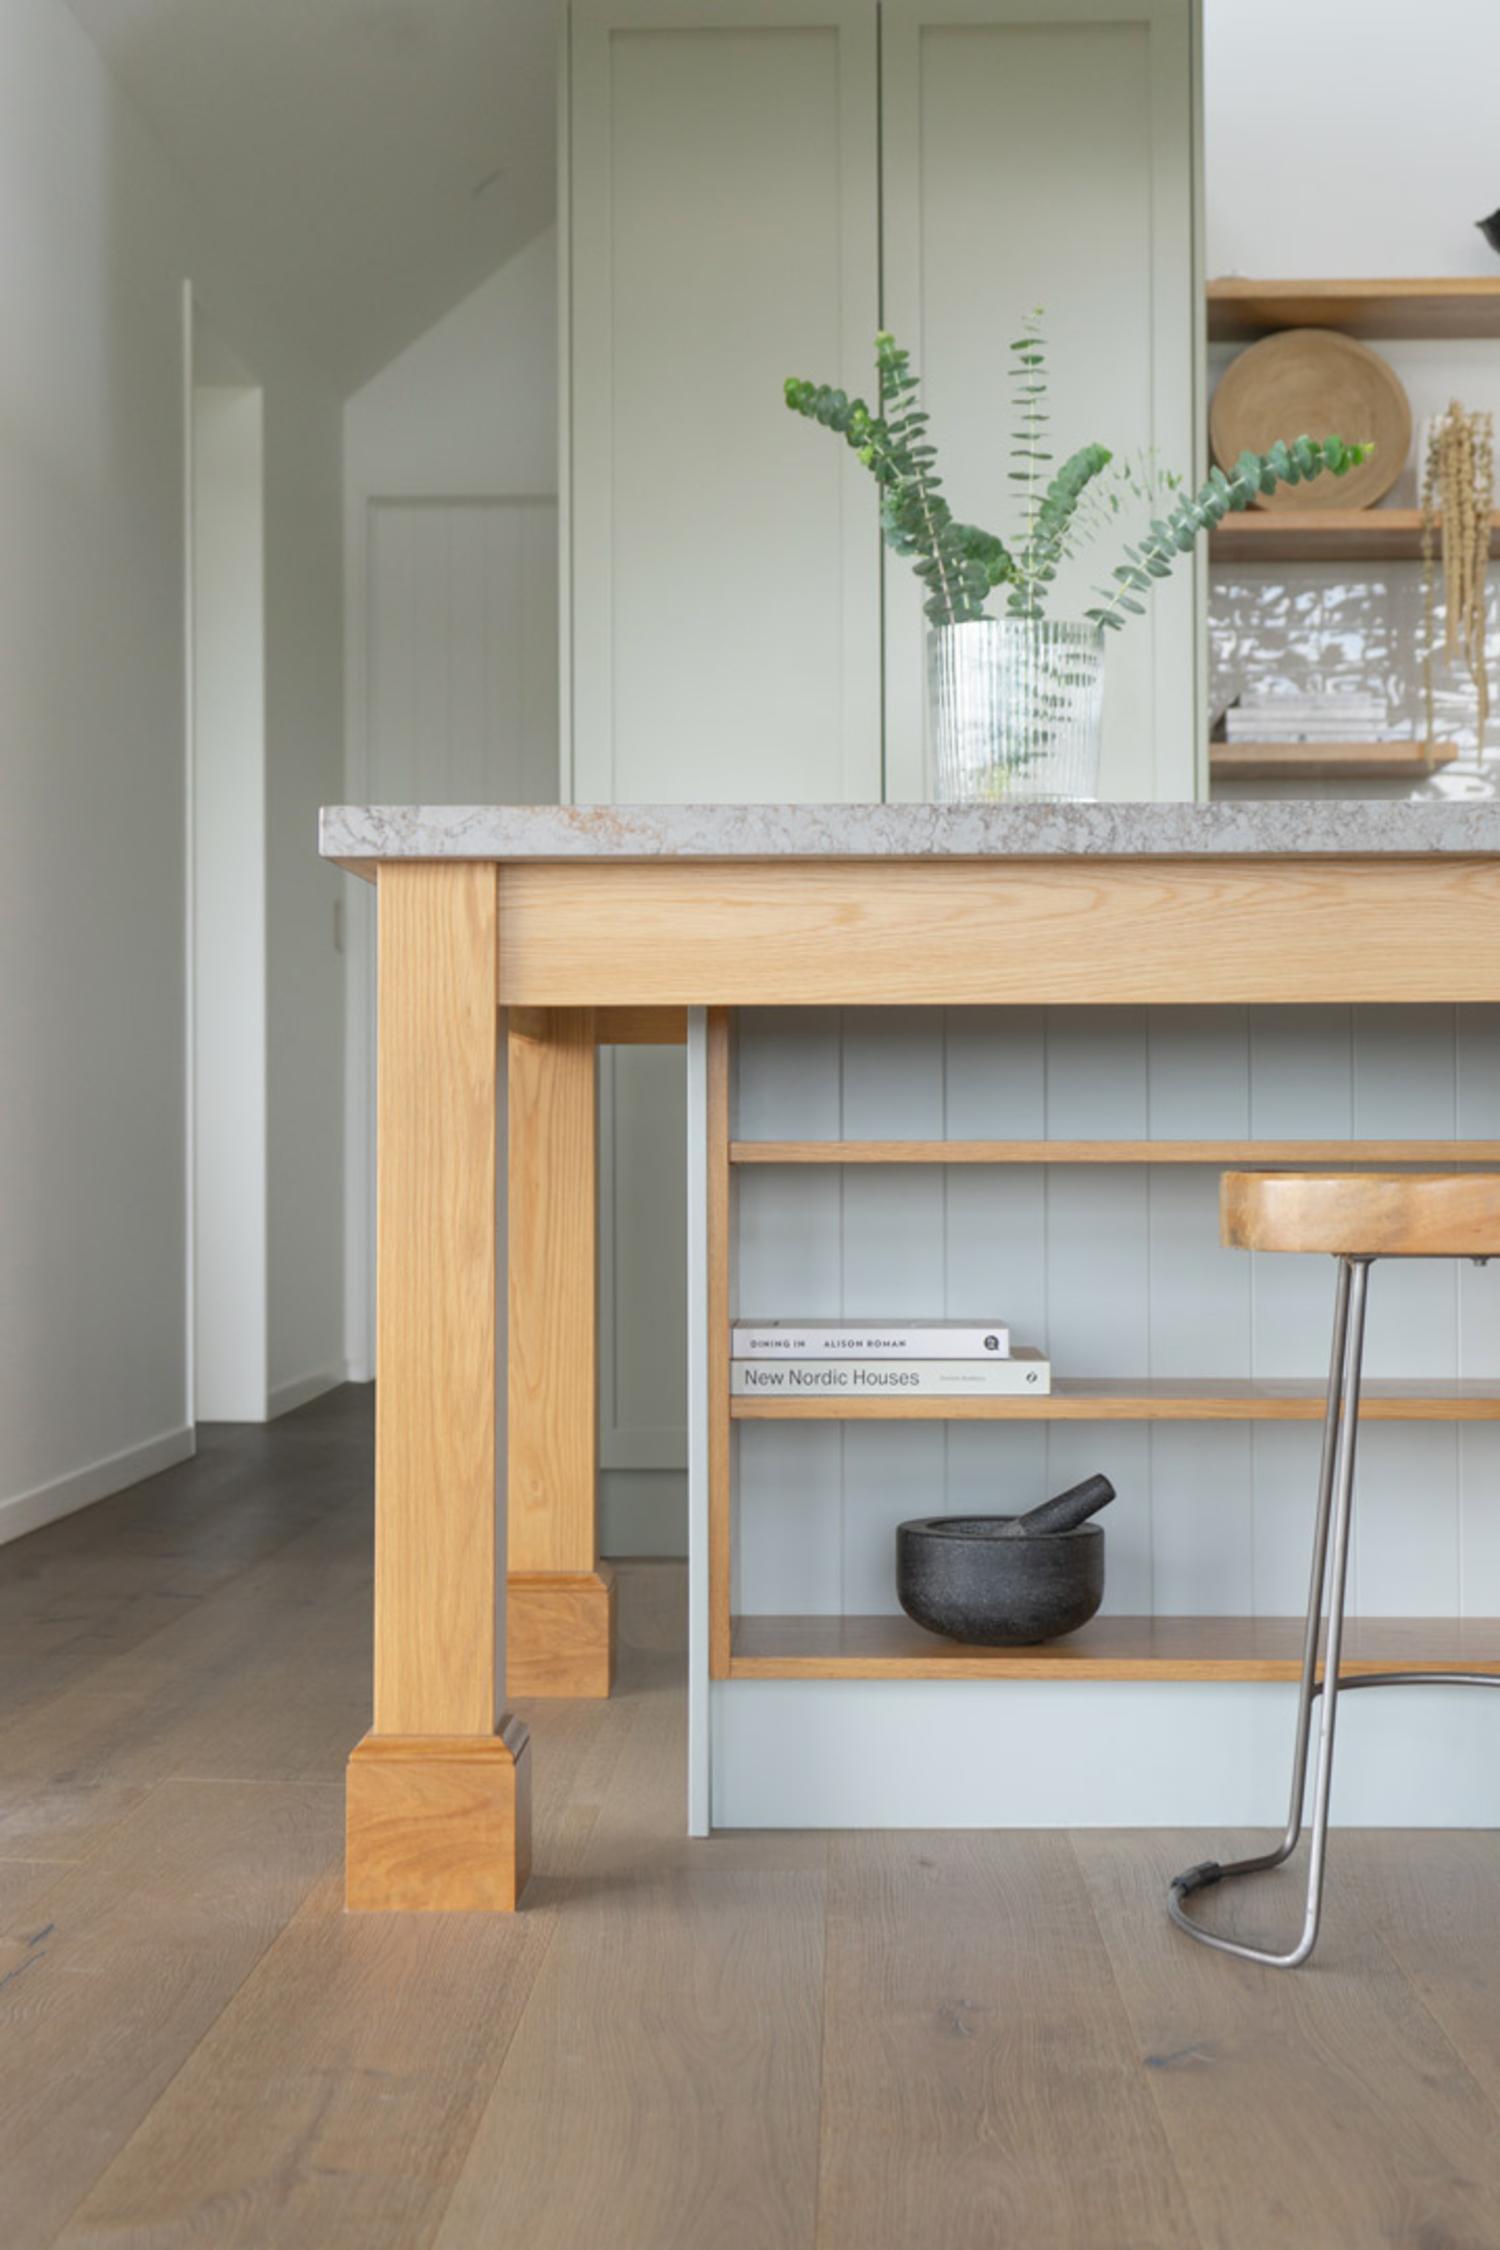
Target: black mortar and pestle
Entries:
(1006, 1581)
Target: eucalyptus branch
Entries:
(960, 565)
(1193, 513)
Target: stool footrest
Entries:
(1197, 1878)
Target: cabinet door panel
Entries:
(725, 565)
(1041, 153)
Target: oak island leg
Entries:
(439, 1790)
(561, 1597)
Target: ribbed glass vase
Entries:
(1014, 706)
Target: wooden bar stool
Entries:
(1355, 1217)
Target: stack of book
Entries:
(882, 1359)
(1306, 718)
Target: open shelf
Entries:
(1253, 1153)
(1323, 535)
(1333, 761)
(1109, 1648)
(1463, 305)
(1160, 1398)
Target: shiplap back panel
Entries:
(725, 619)
(1117, 1270)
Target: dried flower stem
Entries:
(1458, 498)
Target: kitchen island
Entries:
(514, 940)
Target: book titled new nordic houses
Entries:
(1024, 1373)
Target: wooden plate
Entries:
(1313, 382)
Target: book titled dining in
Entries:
(896, 1339)
(1025, 1372)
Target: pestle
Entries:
(1064, 1512)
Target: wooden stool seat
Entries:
(1364, 1214)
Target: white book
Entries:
(897, 1339)
(1025, 1373)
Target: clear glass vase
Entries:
(1014, 706)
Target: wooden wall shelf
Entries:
(1331, 761)
(1466, 305)
(1109, 1648)
(1161, 1398)
(1254, 1153)
(1323, 535)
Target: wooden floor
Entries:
(773, 2042)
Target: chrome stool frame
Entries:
(1335, 1512)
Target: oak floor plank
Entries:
(116, 1969)
(333, 2101)
(980, 2082)
(1434, 1899)
(331, 2104)
(105, 1580)
(265, 1679)
(661, 2090)
(1325, 2107)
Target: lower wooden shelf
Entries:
(1110, 1648)
(1150, 1399)
(1327, 761)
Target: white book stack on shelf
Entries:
(1306, 718)
(872, 1359)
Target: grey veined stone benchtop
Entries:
(359, 835)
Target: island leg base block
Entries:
(560, 1632)
(439, 1823)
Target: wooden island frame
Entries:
(502, 971)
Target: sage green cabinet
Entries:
(752, 187)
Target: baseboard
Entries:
(1087, 1754)
(285, 1398)
(64, 1496)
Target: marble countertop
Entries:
(359, 835)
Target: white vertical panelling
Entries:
(996, 1247)
(788, 1261)
(1117, 1270)
(1099, 1271)
(1041, 152)
(460, 642)
(724, 225)
(641, 1260)
(1405, 1560)
(893, 1259)
(1477, 1089)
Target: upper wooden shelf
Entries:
(1428, 306)
(1252, 1153)
(1323, 535)
(1108, 1648)
(1161, 1398)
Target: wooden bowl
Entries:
(1313, 382)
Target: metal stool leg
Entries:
(1335, 1504)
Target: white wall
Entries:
(228, 658)
(1387, 178)
(1359, 157)
(95, 241)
